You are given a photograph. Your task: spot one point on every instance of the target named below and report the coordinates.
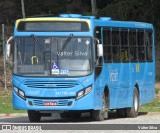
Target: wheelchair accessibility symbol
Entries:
(54, 66)
(55, 69)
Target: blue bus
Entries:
(73, 64)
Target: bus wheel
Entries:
(133, 111)
(64, 115)
(34, 116)
(100, 115)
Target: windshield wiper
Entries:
(37, 43)
(66, 42)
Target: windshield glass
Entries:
(52, 56)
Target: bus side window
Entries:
(107, 45)
(124, 54)
(148, 44)
(116, 45)
(133, 45)
(141, 46)
(124, 45)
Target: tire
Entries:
(34, 116)
(64, 115)
(133, 111)
(100, 115)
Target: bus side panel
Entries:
(121, 79)
(98, 91)
(124, 82)
(143, 76)
(147, 92)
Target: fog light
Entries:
(30, 103)
(69, 103)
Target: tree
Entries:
(94, 7)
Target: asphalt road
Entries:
(86, 122)
(143, 118)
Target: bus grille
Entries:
(50, 84)
(41, 102)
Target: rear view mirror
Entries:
(99, 50)
(8, 48)
(99, 47)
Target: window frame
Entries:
(136, 44)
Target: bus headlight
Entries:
(15, 89)
(19, 92)
(80, 94)
(88, 90)
(83, 92)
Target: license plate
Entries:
(50, 103)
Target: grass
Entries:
(6, 103)
(153, 106)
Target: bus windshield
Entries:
(52, 56)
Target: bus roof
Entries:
(122, 24)
(102, 21)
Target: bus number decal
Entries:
(64, 72)
(137, 68)
(113, 74)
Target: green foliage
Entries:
(154, 105)
(151, 107)
(125, 10)
(134, 10)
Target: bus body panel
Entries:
(80, 104)
(62, 96)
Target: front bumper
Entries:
(84, 103)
